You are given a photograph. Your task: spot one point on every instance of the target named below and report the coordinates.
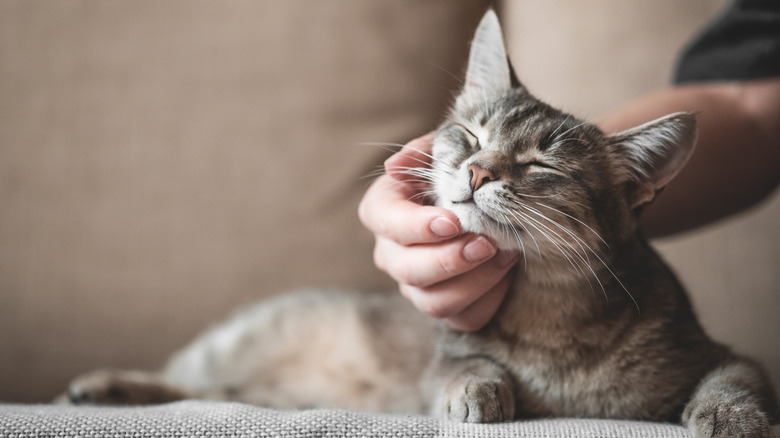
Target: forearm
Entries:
(737, 157)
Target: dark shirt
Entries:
(743, 43)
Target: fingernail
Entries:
(444, 227)
(478, 250)
(506, 258)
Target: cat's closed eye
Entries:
(538, 166)
(471, 138)
(536, 163)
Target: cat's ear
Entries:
(488, 68)
(655, 153)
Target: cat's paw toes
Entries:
(481, 401)
(726, 420)
(98, 387)
(121, 388)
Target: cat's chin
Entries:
(473, 220)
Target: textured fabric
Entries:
(743, 43)
(218, 419)
(193, 419)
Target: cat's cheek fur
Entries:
(452, 191)
(472, 220)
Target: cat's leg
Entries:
(121, 388)
(473, 389)
(733, 400)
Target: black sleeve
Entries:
(743, 43)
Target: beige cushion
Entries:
(164, 161)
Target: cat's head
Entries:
(534, 178)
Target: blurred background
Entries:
(162, 162)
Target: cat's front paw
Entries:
(97, 387)
(119, 388)
(719, 418)
(479, 400)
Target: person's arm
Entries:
(737, 158)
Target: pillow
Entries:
(163, 162)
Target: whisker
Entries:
(388, 147)
(423, 196)
(506, 226)
(560, 239)
(562, 141)
(456, 77)
(380, 143)
(564, 251)
(421, 152)
(525, 195)
(575, 219)
(583, 256)
(552, 135)
(521, 218)
(570, 233)
(373, 173)
(570, 130)
(596, 254)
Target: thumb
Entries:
(416, 153)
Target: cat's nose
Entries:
(479, 175)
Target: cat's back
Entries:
(312, 348)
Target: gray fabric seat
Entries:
(222, 419)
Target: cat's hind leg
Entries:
(115, 387)
(733, 400)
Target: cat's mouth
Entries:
(486, 215)
(481, 214)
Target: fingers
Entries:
(422, 266)
(459, 278)
(387, 211)
(448, 299)
(479, 313)
(416, 153)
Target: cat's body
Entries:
(595, 324)
(303, 349)
(599, 357)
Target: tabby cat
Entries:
(595, 325)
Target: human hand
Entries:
(459, 278)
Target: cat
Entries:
(595, 324)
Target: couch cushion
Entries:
(162, 162)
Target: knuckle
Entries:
(463, 323)
(404, 273)
(379, 257)
(448, 265)
(435, 308)
(408, 292)
(423, 302)
(362, 212)
(370, 213)
(381, 226)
